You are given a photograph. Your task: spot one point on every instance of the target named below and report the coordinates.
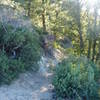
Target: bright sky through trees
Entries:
(92, 2)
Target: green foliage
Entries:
(19, 51)
(9, 68)
(69, 19)
(75, 78)
(30, 53)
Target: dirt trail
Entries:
(30, 86)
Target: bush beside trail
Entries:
(19, 51)
(74, 78)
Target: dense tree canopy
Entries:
(76, 19)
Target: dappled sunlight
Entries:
(43, 89)
(7, 2)
(50, 49)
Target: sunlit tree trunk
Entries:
(81, 39)
(98, 54)
(94, 41)
(89, 48)
(89, 35)
(43, 18)
(80, 27)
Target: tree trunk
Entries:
(43, 22)
(95, 26)
(43, 18)
(89, 35)
(89, 48)
(81, 39)
(98, 54)
(94, 50)
(80, 27)
(29, 8)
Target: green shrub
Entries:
(75, 78)
(9, 68)
(19, 51)
(30, 51)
